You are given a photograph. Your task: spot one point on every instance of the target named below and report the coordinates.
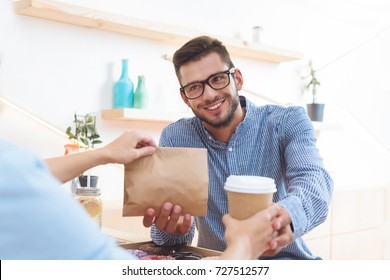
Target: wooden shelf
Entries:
(92, 18)
(319, 126)
(142, 115)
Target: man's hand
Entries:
(171, 219)
(281, 225)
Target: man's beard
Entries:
(228, 119)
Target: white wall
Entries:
(52, 69)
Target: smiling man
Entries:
(242, 139)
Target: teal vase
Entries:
(124, 89)
(141, 94)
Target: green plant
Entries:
(84, 132)
(313, 82)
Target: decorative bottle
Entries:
(140, 94)
(89, 198)
(124, 89)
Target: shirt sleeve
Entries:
(39, 220)
(309, 186)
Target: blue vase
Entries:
(140, 94)
(124, 89)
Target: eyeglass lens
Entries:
(217, 81)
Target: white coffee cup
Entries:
(248, 195)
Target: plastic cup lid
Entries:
(250, 184)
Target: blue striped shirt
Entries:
(271, 141)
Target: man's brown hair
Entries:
(197, 48)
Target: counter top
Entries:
(122, 237)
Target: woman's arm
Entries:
(126, 148)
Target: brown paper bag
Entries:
(176, 175)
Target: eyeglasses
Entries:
(216, 81)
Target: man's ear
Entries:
(238, 79)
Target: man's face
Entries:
(216, 108)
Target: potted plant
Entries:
(84, 137)
(315, 110)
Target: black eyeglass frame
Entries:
(206, 81)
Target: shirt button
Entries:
(230, 149)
